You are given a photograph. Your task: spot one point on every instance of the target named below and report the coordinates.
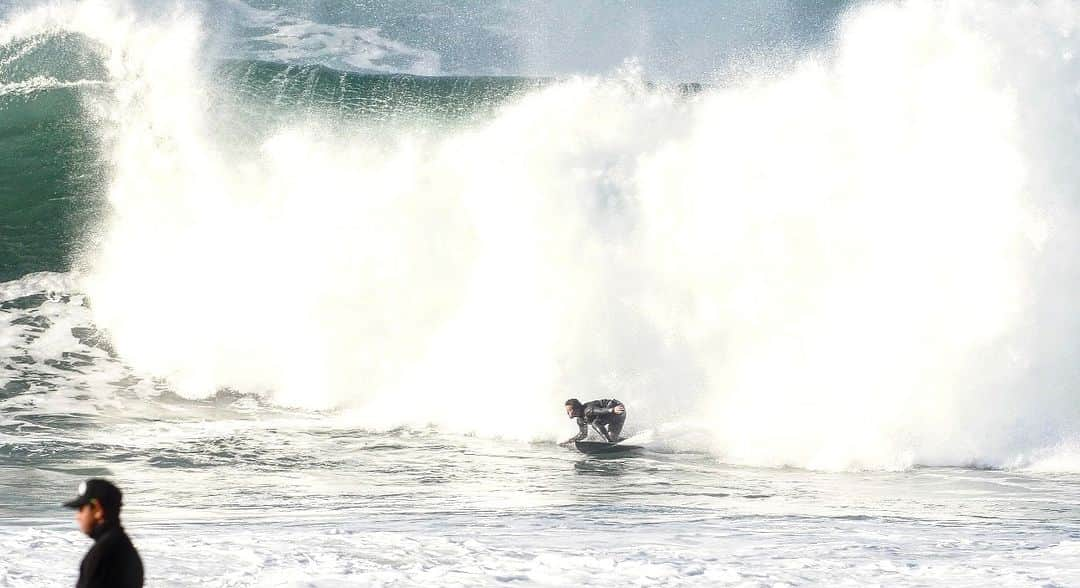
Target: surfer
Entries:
(113, 561)
(606, 416)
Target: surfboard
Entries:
(603, 447)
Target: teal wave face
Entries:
(54, 171)
(50, 179)
(265, 90)
(50, 167)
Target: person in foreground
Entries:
(113, 561)
(606, 416)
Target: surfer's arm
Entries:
(583, 432)
(617, 408)
(598, 411)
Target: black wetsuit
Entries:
(600, 414)
(112, 562)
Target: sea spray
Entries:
(862, 261)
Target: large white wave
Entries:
(867, 260)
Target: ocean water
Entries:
(312, 282)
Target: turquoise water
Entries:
(51, 180)
(54, 174)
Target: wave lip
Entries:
(858, 262)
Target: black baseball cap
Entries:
(104, 491)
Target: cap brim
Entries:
(77, 502)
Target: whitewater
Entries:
(312, 288)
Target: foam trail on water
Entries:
(864, 261)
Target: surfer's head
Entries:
(574, 408)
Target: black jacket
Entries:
(596, 412)
(112, 562)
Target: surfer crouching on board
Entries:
(606, 416)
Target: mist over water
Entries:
(863, 259)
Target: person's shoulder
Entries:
(116, 540)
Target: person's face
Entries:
(569, 411)
(89, 516)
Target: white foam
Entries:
(656, 523)
(40, 84)
(357, 48)
(36, 283)
(41, 334)
(1058, 458)
(860, 263)
(297, 40)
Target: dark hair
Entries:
(575, 405)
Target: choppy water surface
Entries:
(232, 493)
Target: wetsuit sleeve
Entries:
(593, 411)
(583, 430)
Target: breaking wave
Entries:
(864, 260)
